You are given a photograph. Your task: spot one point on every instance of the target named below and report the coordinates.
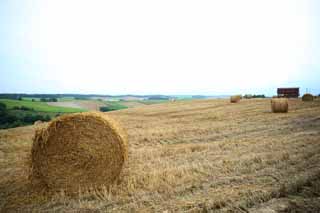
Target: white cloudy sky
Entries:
(151, 47)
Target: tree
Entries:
(47, 118)
(24, 108)
(29, 119)
(3, 107)
(105, 109)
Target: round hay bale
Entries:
(279, 105)
(235, 98)
(76, 151)
(307, 97)
(38, 122)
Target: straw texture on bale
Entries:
(78, 151)
(307, 97)
(279, 105)
(38, 122)
(235, 98)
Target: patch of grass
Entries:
(21, 113)
(16, 118)
(38, 106)
(149, 102)
(181, 97)
(66, 99)
(114, 105)
(30, 99)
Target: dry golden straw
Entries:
(38, 122)
(235, 98)
(307, 97)
(76, 151)
(279, 105)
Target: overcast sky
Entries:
(159, 47)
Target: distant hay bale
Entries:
(79, 150)
(235, 98)
(38, 122)
(307, 97)
(279, 105)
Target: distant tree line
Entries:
(199, 97)
(158, 97)
(105, 109)
(82, 98)
(248, 96)
(11, 96)
(49, 99)
(23, 108)
(112, 108)
(10, 119)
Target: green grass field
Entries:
(149, 102)
(66, 99)
(38, 106)
(30, 99)
(115, 105)
(38, 99)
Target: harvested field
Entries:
(190, 156)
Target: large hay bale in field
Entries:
(307, 97)
(38, 122)
(279, 105)
(76, 151)
(235, 98)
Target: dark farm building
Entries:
(288, 92)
